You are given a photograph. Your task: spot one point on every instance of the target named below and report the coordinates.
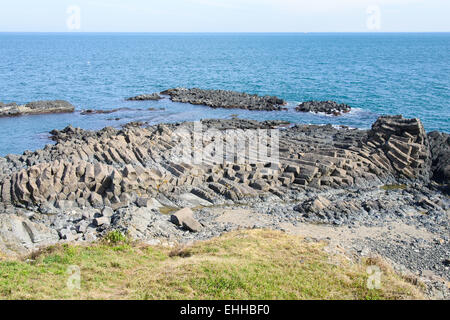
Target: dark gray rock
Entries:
(440, 156)
(328, 107)
(145, 97)
(36, 107)
(225, 99)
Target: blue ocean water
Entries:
(374, 73)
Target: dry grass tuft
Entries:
(182, 252)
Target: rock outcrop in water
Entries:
(327, 107)
(225, 99)
(37, 107)
(145, 97)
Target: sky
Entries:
(225, 16)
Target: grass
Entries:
(116, 237)
(257, 264)
(168, 210)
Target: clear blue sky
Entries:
(227, 15)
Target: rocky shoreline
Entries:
(35, 108)
(380, 191)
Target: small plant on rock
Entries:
(116, 237)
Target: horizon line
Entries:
(220, 32)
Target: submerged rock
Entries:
(92, 112)
(145, 97)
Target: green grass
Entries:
(257, 264)
(116, 237)
(168, 210)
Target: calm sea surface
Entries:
(374, 73)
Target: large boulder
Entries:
(134, 221)
(314, 205)
(404, 143)
(185, 218)
(19, 235)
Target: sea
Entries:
(375, 73)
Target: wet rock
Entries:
(92, 112)
(37, 107)
(225, 99)
(328, 107)
(145, 97)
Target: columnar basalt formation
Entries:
(401, 145)
(225, 99)
(37, 107)
(114, 168)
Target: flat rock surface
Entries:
(145, 97)
(36, 107)
(327, 107)
(225, 99)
